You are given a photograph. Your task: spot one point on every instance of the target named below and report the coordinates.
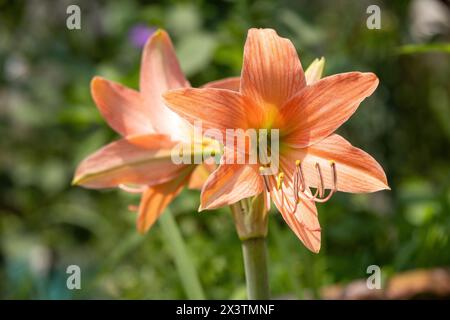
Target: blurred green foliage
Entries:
(48, 123)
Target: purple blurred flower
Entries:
(139, 34)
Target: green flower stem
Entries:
(184, 264)
(250, 219)
(255, 261)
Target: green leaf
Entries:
(424, 48)
(185, 265)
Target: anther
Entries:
(298, 177)
(282, 186)
(280, 179)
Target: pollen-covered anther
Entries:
(280, 179)
(319, 195)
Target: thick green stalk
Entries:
(255, 261)
(184, 264)
(250, 218)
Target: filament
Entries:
(300, 188)
(300, 185)
(266, 181)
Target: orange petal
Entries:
(216, 108)
(155, 200)
(319, 109)
(136, 160)
(304, 220)
(230, 183)
(271, 71)
(200, 174)
(122, 107)
(356, 170)
(314, 71)
(160, 71)
(232, 83)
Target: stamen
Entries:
(296, 178)
(300, 186)
(334, 174)
(280, 179)
(320, 187)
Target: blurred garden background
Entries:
(48, 123)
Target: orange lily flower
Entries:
(141, 161)
(275, 94)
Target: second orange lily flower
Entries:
(141, 161)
